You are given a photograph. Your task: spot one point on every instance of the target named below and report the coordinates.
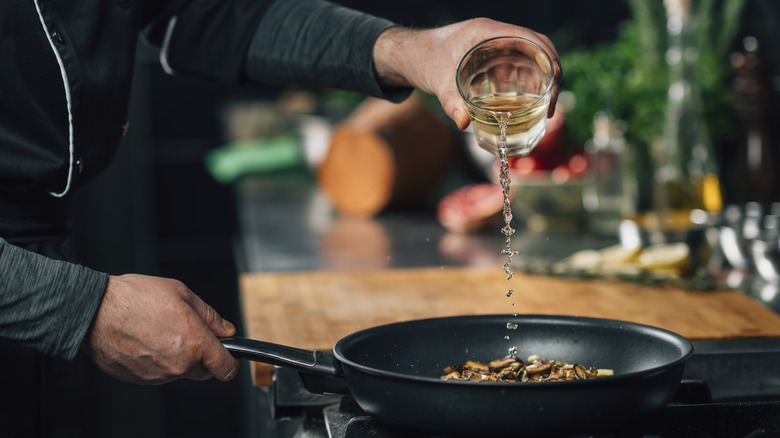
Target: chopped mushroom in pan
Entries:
(512, 369)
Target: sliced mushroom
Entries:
(579, 371)
(538, 367)
(477, 366)
(452, 375)
(502, 363)
(555, 374)
(511, 369)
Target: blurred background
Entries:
(160, 210)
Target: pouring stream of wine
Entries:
(507, 230)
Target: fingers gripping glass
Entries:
(509, 78)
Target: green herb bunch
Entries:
(629, 77)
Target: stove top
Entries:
(693, 415)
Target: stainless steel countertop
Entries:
(286, 224)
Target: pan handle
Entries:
(321, 363)
(315, 362)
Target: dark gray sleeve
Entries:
(320, 44)
(46, 304)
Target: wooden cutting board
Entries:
(313, 310)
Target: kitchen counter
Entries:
(289, 235)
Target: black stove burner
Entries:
(692, 414)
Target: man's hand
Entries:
(427, 59)
(152, 330)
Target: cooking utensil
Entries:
(393, 372)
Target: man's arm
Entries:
(288, 42)
(46, 304)
(137, 328)
(321, 44)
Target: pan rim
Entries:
(674, 339)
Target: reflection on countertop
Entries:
(286, 224)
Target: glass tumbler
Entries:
(511, 79)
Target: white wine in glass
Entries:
(525, 116)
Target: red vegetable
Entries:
(471, 208)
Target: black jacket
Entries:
(66, 71)
(65, 74)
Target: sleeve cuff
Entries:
(46, 304)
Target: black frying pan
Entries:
(393, 373)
